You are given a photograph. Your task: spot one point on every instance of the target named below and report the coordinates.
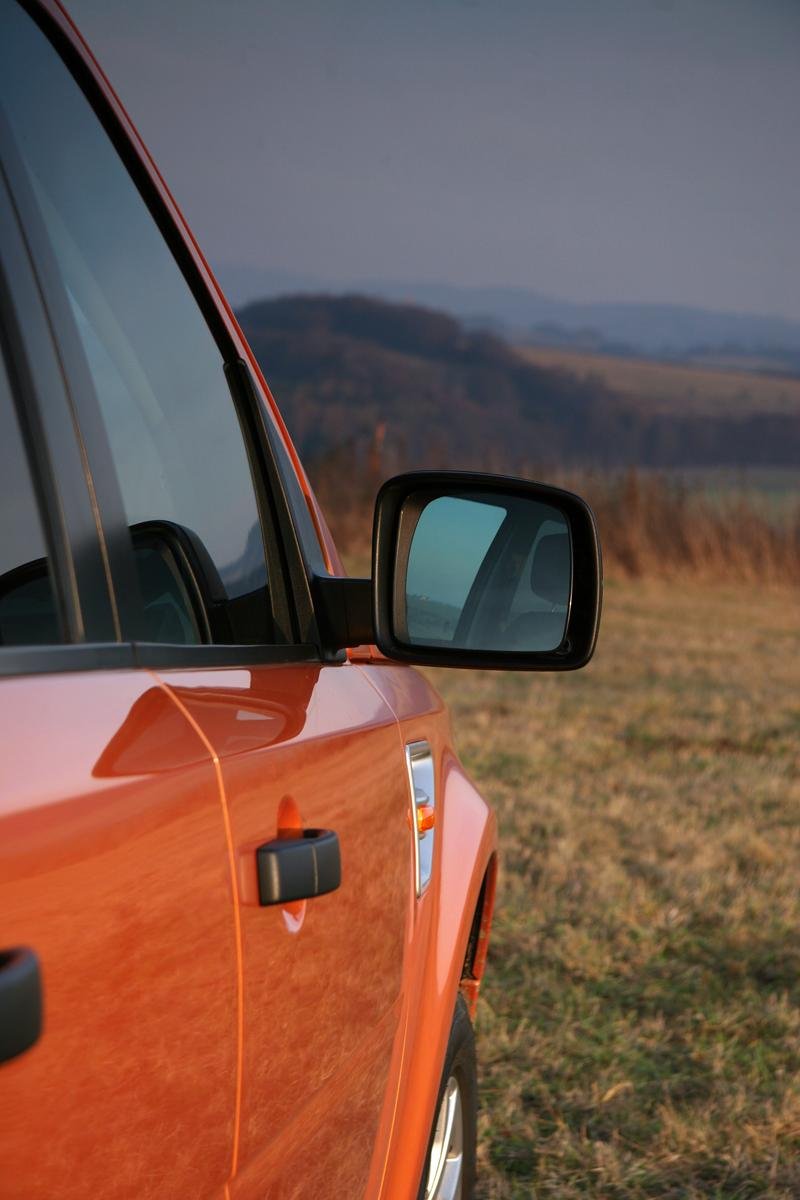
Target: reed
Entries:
(651, 525)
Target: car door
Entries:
(313, 747)
(117, 948)
(114, 874)
(210, 589)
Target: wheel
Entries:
(449, 1172)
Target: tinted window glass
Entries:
(27, 605)
(173, 430)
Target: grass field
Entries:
(677, 388)
(639, 1030)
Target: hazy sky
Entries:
(592, 149)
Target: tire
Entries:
(458, 1101)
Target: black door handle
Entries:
(299, 868)
(20, 1001)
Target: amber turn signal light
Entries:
(426, 817)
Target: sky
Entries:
(622, 150)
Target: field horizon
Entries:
(665, 386)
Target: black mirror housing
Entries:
(398, 510)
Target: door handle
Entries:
(299, 868)
(20, 1001)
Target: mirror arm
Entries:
(344, 611)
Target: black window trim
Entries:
(271, 493)
(108, 656)
(292, 604)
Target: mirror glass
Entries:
(486, 571)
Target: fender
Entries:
(444, 929)
(468, 840)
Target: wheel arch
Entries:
(451, 965)
(478, 941)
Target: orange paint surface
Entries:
(323, 994)
(113, 869)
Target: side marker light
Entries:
(426, 817)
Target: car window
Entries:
(174, 433)
(28, 615)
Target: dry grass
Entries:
(639, 1030)
(650, 525)
(655, 527)
(674, 387)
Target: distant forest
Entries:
(417, 388)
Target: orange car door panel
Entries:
(304, 747)
(115, 871)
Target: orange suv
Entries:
(246, 885)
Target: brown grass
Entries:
(654, 527)
(639, 1030)
(639, 1027)
(651, 526)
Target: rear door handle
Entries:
(299, 868)
(20, 1001)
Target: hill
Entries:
(664, 330)
(667, 330)
(344, 367)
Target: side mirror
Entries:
(474, 570)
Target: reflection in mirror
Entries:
(488, 571)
